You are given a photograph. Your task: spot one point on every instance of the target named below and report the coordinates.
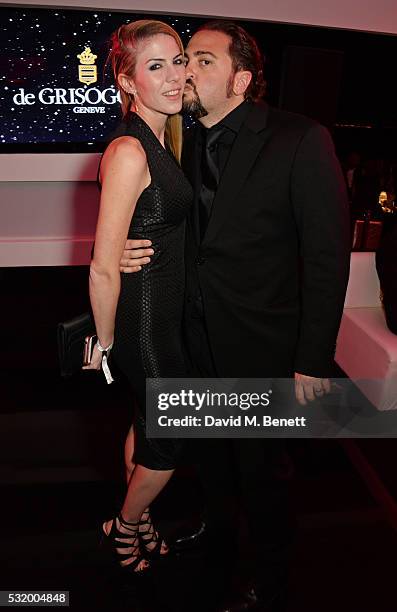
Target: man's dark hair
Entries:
(245, 55)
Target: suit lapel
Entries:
(249, 142)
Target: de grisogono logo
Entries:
(76, 97)
(88, 72)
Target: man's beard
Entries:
(194, 106)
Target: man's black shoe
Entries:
(251, 601)
(191, 538)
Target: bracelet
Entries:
(104, 363)
(101, 349)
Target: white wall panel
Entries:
(46, 223)
(380, 16)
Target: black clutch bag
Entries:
(71, 337)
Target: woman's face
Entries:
(159, 75)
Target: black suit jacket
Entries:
(273, 264)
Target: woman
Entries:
(145, 195)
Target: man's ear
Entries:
(126, 83)
(242, 79)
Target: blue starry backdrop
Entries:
(49, 98)
(45, 105)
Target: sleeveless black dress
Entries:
(148, 326)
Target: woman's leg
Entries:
(129, 454)
(144, 485)
(146, 526)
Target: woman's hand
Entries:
(96, 360)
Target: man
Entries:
(386, 267)
(267, 258)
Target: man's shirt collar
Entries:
(235, 119)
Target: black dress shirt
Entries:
(232, 122)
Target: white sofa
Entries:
(366, 348)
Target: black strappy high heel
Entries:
(117, 539)
(149, 535)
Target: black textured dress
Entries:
(148, 326)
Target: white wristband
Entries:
(101, 349)
(104, 363)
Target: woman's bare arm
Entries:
(125, 174)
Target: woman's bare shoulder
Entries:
(125, 147)
(124, 154)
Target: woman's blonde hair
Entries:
(124, 42)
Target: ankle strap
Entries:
(126, 523)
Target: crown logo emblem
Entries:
(87, 69)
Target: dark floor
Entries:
(344, 554)
(61, 475)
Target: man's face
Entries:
(208, 74)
